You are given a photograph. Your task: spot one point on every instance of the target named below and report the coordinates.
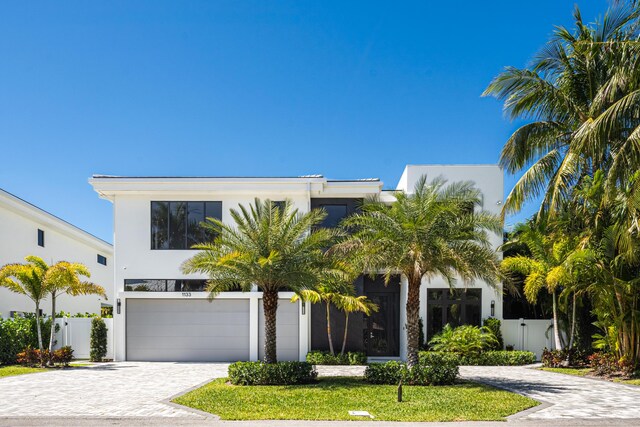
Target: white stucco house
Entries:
(26, 229)
(162, 314)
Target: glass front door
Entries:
(381, 329)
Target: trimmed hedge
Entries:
(486, 358)
(326, 358)
(440, 370)
(98, 340)
(281, 373)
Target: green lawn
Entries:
(332, 398)
(9, 371)
(579, 372)
(635, 381)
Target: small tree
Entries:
(98, 340)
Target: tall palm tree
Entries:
(66, 278)
(29, 280)
(547, 267)
(582, 93)
(432, 232)
(269, 246)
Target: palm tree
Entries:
(269, 246)
(582, 91)
(66, 278)
(29, 280)
(350, 303)
(547, 266)
(429, 233)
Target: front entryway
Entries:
(381, 330)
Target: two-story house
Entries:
(162, 314)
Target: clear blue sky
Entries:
(346, 89)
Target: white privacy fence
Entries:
(528, 334)
(76, 333)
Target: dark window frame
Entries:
(40, 237)
(102, 259)
(352, 204)
(459, 296)
(218, 207)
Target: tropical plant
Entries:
(29, 280)
(350, 303)
(269, 246)
(66, 278)
(582, 91)
(98, 340)
(432, 232)
(467, 340)
(545, 268)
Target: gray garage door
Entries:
(286, 331)
(179, 330)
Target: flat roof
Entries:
(234, 177)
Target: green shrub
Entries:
(281, 373)
(325, 358)
(18, 333)
(98, 340)
(465, 340)
(494, 326)
(441, 371)
(486, 358)
(558, 358)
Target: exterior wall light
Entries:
(304, 308)
(118, 305)
(493, 308)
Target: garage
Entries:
(184, 330)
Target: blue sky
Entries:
(345, 89)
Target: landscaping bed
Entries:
(589, 373)
(332, 398)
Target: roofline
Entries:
(19, 205)
(302, 177)
(457, 165)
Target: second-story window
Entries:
(41, 238)
(176, 225)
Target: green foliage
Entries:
(18, 333)
(326, 358)
(281, 373)
(98, 343)
(558, 358)
(486, 358)
(606, 364)
(443, 373)
(494, 325)
(466, 340)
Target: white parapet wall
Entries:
(528, 334)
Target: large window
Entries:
(336, 208)
(162, 285)
(176, 225)
(453, 306)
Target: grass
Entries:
(579, 372)
(10, 371)
(332, 398)
(634, 381)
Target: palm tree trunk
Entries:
(573, 322)
(270, 306)
(53, 321)
(413, 319)
(556, 329)
(346, 331)
(329, 328)
(40, 346)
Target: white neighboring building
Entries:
(28, 230)
(162, 314)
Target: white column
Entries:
(253, 329)
(404, 289)
(119, 322)
(304, 326)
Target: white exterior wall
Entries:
(19, 222)
(487, 178)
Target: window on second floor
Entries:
(337, 209)
(102, 259)
(41, 238)
(177, 225)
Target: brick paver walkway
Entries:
(570, 397)
(127, 389)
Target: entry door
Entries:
(381, 329)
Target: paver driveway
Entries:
(570, 397)
(127, 389)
